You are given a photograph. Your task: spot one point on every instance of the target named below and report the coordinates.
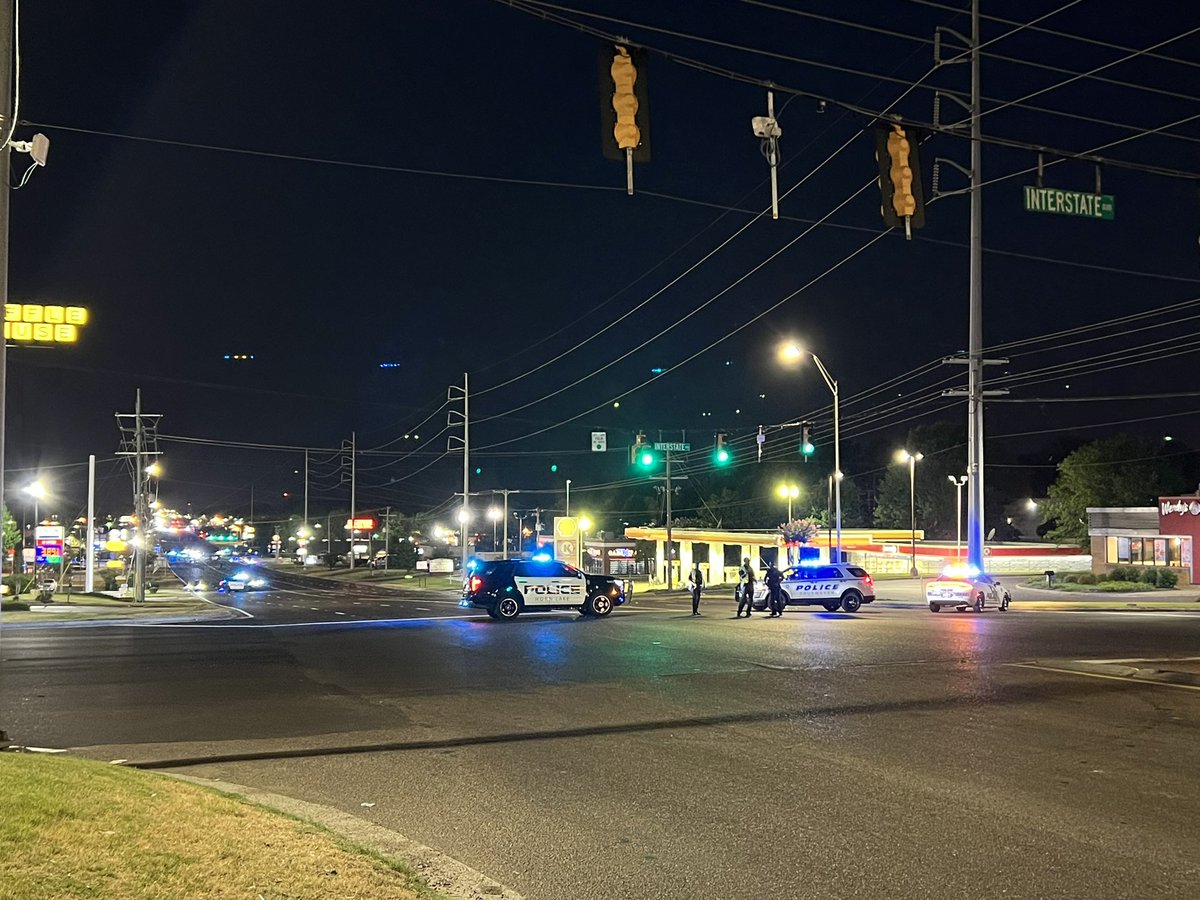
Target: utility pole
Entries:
(464, 418)
(974, 360)
(387, 546)
(353, 488)
(140, 442)
(670, 548)
(6, 110)
(89, 572)
(505, 492)
(305, 491)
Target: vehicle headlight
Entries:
(258, 582)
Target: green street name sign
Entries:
(1068, 203)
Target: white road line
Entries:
(338, 612)
(1125, 678)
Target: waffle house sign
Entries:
(37, 323)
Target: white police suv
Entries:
(830, 586)
(508, 587)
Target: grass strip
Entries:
(73, 828)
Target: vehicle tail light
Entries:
(868, 579)
(475, 583)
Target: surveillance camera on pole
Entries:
(767, 129)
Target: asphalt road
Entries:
(891, 753)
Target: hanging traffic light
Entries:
(624, 106)
(806, 444)
(721, 454)
(641, 454)
(903, 200)
(554, 467)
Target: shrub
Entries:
(1119, 574)
(1167, 578)
(1149, 575)
(109, 578)
(1102, 577)
(1068, 579)
(17, 584)
(1087, 578)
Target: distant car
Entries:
(966, 588)
(508, 587)
(242, 581)
(829, 586)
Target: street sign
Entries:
(1069, 203)
(599, 441)
(672, 446)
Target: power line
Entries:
(539, 7)
(1062, 34)
(929, 42)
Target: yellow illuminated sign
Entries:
(39, 323)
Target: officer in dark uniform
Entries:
(774, 580)
(697, 579)
(745, 595)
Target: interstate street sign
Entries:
(1069, 203)
(672, 446)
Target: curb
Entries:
(443, 873)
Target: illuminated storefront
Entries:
(1162, 535)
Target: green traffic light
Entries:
(807, 449)
(554, 467)
(646, 459)
(722, 457)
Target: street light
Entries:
(788, 492)
(911, 459)
(790, 353)
(494, 514)
(959, 482)
(568, 512)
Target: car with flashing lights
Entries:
(966, 587)
(241, 581)
(830, 586)
(505, 588)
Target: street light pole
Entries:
(911, 459)
(959, 482)
(568, 512)
(837, 452)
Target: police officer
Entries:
(745, 588)
(697, 578)
(774, 580)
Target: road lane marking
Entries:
(1124, 678)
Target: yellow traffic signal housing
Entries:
(624, 103)
(903, 200)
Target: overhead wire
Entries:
(1000, 57)
(1062, 34)
(538, 8)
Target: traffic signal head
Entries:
(721, 454)
(896, 149)
(624, 103)
(806, 444)
(554, 467)
(645, 457)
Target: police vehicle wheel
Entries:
(935, 607)
(851, 601)
(601, 605)
(508, 608)
(1004, 603)
(977, 606)
(832, 605)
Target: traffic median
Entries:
(76, 828)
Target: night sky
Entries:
(477, 227)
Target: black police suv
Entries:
(508, 587)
